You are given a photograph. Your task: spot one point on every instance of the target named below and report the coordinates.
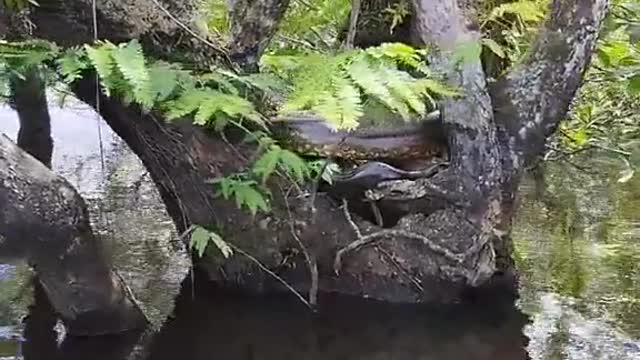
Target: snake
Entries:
(372, 149)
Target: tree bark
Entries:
(454, 234)
(252, 25)
(43, 219)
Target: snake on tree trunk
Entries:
(382, 154)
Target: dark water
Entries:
(578, 250)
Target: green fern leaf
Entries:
(348, 102)
(223, 82)
(222, 245)
(199, 240)
(312, 78)
(294, 164)
(397, 52)
(201, 237)
(426, 86)
(247, 195)
(104, 64)
(267, 163)
(188, 102)
(244, 192)
(401, 87)
(372, 82)
(327, 107)
(129, 59)
(266, 82)
(164, 80)
(206, 109)
(71, 64)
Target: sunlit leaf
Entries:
(494, 47)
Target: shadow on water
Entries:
(219, 324)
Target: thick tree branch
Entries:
(468, 118)
(253, 24)
(533, 98)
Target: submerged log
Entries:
(44, 219)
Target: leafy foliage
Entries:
(606, 113)
(338, 86)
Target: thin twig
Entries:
(414, 281)
(353, 24)
(274, 275)
(215, 47)
(311, 261)
(347, 215)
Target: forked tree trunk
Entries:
(455, 237)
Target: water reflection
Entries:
(579, 257)
(222, 325)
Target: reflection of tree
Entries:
(577, 237)
(622, 253)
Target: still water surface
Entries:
(578, 250)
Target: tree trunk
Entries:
(454, 233)
(43, 219)
(29, 100)
(252, 25)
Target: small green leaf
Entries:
(634, 85)
(494, 47)
(294, 164)
(201, 237)
(267, 163)
(130, 60)
(222, 245)
(199, 240)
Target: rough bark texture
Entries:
(43, 219)
(252, 25)
(453, 233)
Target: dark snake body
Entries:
(311, 135)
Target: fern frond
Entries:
(311, 79)
(102, 60)
(371, 81)
(277, 157)
(71, 64)
(342, 105)
(244, 192)
(129, 59)
(397, 52)
(399, 83)
(163, 80)
(188, 102)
